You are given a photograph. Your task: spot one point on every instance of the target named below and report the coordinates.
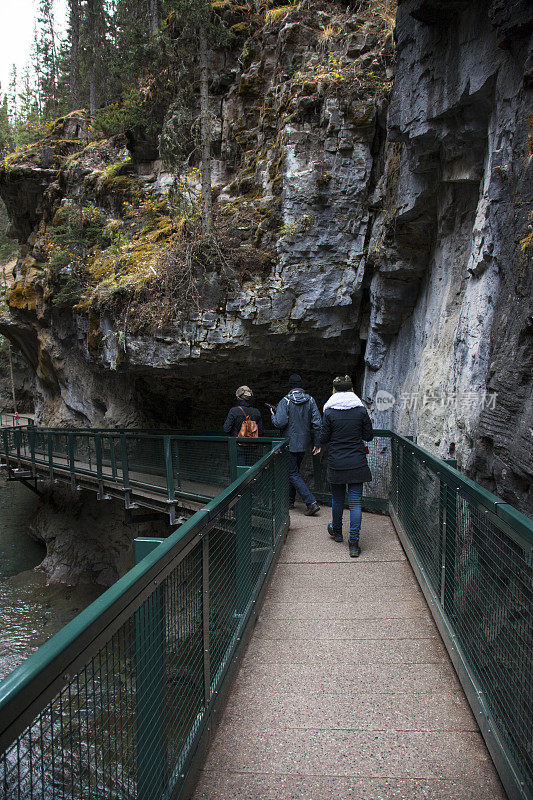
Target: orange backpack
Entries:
(249, 428)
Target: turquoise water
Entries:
(30, 611)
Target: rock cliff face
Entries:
(86, 541)
(456, 249)
(372, 226)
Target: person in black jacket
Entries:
(346, 426)
(236, 416)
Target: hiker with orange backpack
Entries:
(245, 422)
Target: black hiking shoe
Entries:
(313, 509)
(337, 537)
(355, 550)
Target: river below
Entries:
(30, 611)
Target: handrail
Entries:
(5, 423)
(472, 556)
(518, 526)
(23, 691)
(447, 523)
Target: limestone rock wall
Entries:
(456, 246)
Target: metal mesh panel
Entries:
(82, 743)
(10, 421)
(490, 604)
(125, 724)
(203, 464)
(379, 461)
(482, 578)
(419, 491)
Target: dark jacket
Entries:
(235, 419)
(346, 429)
(298, 416)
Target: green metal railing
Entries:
(473, 556)
(120, 702)
(156, 470)
(10, 421)
(130, 463)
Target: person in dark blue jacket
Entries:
(345, 427)
(299, 418)
(246, 454)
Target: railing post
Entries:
(232, 447)
(50, 456)
(443, 532)
(177, 474)
(280, 490)
(205, 619)
(16, 433)
(113, 457)
(447, 597)
(31, 439)
(243, 550)
(408, 489)
(317, 474)
(150, 687)
(6, 445)
(99, 466)
(71, 462)
(169, 470)
(125, 470)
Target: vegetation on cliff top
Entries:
(109, 241)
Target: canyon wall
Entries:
(373, 210)
(460, 128)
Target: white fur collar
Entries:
(343, 400)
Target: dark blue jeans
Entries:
(355, 496)
(297, 482)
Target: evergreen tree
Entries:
(95, 53)
(199, 29)
(47, 59)
(5, 127)
(74, 39)
(154, 16)
(27, 119)
(13, 95)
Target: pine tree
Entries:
(5, 127)
(95, 44)
(47, 59)
(13, 95)
(74, 38)
(198, 30)
(154, 16)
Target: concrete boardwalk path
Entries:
(346, 690)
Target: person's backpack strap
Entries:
(246, 417)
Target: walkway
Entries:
(346, 690)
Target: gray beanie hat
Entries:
(244, 393)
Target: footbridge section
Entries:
(353, 683)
